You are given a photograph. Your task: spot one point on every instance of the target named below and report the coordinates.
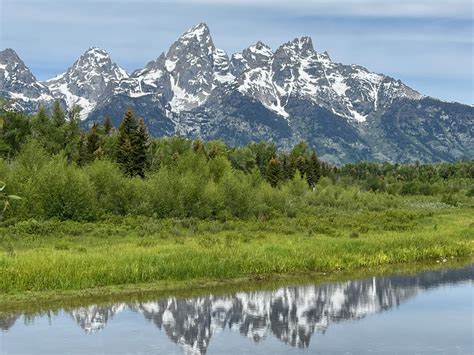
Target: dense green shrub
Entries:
(65, 191)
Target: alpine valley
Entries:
(294, 93)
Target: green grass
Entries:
(55, 257)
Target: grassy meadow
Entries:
(71, 256)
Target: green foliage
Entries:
(132, 147)
(65, 192)
(62, 171)
(108, 125)
(5, 199)
(15, 128)
(274, 172)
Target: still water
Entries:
(430, 312)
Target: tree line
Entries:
(131, 147)
(137, 154)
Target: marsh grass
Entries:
(62, 256)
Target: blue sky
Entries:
(426, 43)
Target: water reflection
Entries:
(290, 314)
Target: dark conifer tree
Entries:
(108, 125)
(93, 142)
(41, 123)
(71, 134)
(124, 150)
(132, 152)
(313, 170)
(287, 167)
(58, 117)
(302, 165)
(274, 172)
(82, 158)
(140, 149)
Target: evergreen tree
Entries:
(302, 165)
(264, 152)
(71, 134)
(132, 152)
(58, 132)
(140, 149)
(314, 170)
(93, 142)
(288, 167)
(124, 149)
(274, 172)
(74, 114)
(82, 158)
(108, 125)
(41, 124)
(15, 128)
(58, 117)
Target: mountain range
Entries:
(293, 93)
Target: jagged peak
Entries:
(9, 51)
(97, 57)
(301, 44)
(198, 32)
(261, 48)
(9, 55)
(98, 54)
(324, 57)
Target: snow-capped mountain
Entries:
(92, 78)
(345, 112)
(185, 76)
(19, 86)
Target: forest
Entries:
(108, 206)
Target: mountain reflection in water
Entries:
(291, 314)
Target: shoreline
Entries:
(22, 302)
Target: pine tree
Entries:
(124, 150)
(72, 133)
(41, 124)
(58, 117)
(93, 142)
(288, 167)
(132, 152)
(314, 170)
(274, 172)
(82, 158)
(74, 114)
(140, 149)
(108, 125)
(44, 131)
(302, 165)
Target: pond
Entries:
(429, 312)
